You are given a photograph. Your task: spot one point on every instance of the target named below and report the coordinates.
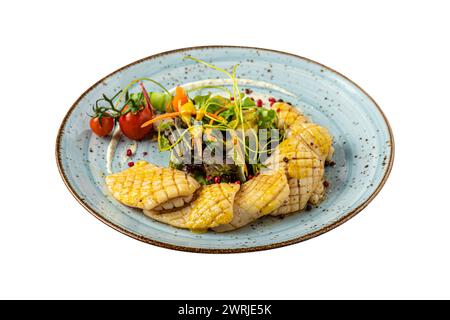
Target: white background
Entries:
(398, 247)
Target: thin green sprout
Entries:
(216, 120)
(210, 87)
(125, 90)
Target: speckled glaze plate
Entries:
(363, 141)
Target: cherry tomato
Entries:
(104, 128)
(130, 123)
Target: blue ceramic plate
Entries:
(363, 141)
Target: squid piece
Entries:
(212, 207)
(304, 170)
(258, 197)
(296, 124)
(287, 115)
(316, 137)
(147, 186)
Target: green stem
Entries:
(136, 81)
(210, 87)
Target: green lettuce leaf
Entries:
(266, 118)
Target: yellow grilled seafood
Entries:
(291, 178)
(316, 137)
(258, 197)
(304, 170)
(147, 186)
(212, 207)
(287, 115)
(298, 125)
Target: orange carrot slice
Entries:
(215, 115)
(163, 116)
(180, 98)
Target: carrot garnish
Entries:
(180, 98)
(165, 116)
(216, 116)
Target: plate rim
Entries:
(305, 237)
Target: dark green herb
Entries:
(266, 118)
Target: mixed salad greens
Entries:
(196, 128)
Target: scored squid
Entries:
(316, 137)
(257, 197)
(147, 186)
(287, 115)
(297, 125)
(304, 170)
(212, 207)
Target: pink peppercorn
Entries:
(259, 103)
(272, 100)
(217, 179)
(131, 163)
(129, 153)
